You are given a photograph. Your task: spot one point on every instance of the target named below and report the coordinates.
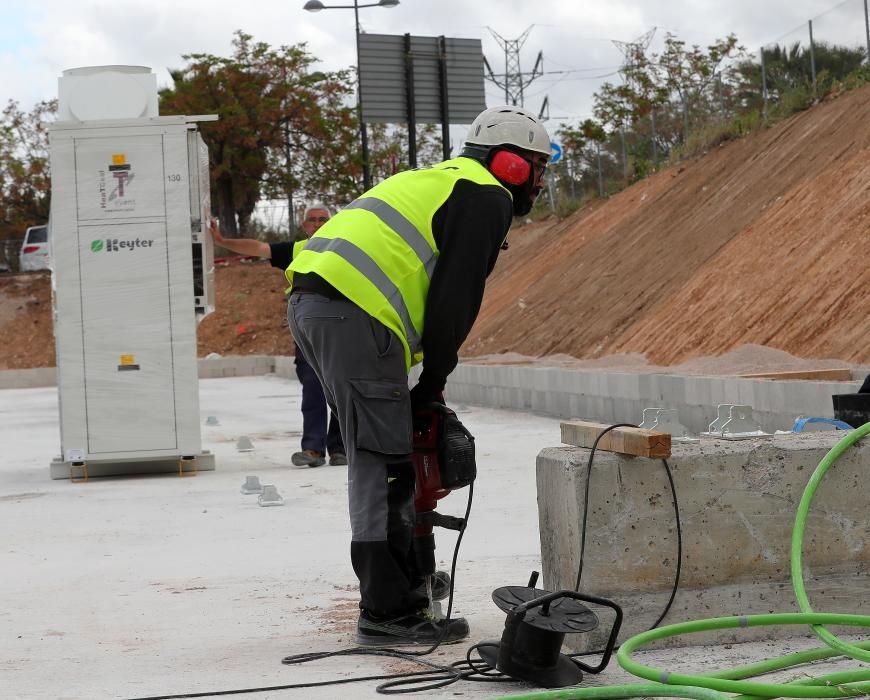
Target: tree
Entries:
(678, 84)
(789, 69)
(24, 167)
(283, 128)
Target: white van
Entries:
(34, 249)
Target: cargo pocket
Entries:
(382, 416)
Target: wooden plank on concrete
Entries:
(832, 375)
(629, 441)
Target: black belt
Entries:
(314, 284)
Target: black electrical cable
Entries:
(446, 674)
(438, 675)
(679, 529)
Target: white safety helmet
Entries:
(509, 126)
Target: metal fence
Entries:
(822, 49)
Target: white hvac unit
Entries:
(132, 273)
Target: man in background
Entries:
(319, 435)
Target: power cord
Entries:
(470, 668)
(437, 675)
(586, 515)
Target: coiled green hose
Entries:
(717, 685)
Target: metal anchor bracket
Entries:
(735, 422)
(666, 420)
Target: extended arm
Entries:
(242, 246)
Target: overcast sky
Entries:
(40, 39)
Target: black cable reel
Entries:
(534, 629)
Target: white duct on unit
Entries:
(132, 273)
(106, 92)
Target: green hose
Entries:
(734, 685)
(797, 540)
(716, 685)
(633, 690)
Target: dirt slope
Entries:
(761, 241)
(250, 316)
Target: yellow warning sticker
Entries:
(118, 159)
(128, 360)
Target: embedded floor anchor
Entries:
(244, 444)
(270, 496)
(252, 485)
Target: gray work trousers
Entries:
(361, 365)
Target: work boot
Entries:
(337, 459)
(440, 586)
(308, 458)
(418, 628)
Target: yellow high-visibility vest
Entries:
(380, 252)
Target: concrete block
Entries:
(573, 382)
(698, 391)
(737, 503)
(624, 411)
(623, 386)
(525, 378)
(284, 367)
(551, 379)
(28, 378)
(541, 402)
(746, 391)
(673, 389)
(644, 385)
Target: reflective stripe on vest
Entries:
(396, 221)
(368, 267)
(380, 251)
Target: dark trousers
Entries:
(361, 365)
(315, 433)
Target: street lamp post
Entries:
(317, 6)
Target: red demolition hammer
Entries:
(443, 461)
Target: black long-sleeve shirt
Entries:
(281, 254)
(469, 229)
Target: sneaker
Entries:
(414, 628)
(337, 459)
(440, 586)
(308, 458)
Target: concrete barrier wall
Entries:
(568, 393)
(614, 397)
(737, 504)
(28, 378)
(209, 368)
(236, 366)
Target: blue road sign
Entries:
(555, 152)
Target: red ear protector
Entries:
(510, 168)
